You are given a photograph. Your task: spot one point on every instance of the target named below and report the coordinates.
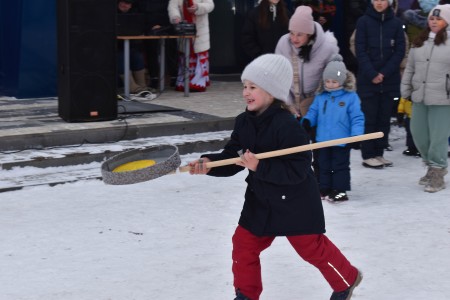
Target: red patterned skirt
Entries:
(198, 71)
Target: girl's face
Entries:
(331, 84)
(257, 99)
(380, 5)
(124, 6)
(436, 23)
(298, 39)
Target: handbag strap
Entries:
(294, 61)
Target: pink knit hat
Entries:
(302, 20)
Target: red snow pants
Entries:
(316, 249)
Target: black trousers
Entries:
(377, 108)
(334, 168)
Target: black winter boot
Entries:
(240, 296)
(347, 294)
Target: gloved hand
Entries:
(400, 119)
(306, 124)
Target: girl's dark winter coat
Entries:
(380, 48)
(282, 196)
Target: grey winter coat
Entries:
(310, 73)
(427, 75)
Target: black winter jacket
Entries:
(282, 196)
(156, 12)
(380, 48)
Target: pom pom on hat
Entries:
(442, 11)
(390, 2)
(271, 72)
(335, 70)
(302, 20)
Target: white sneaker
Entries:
(144, 95)
(385, 162)
(372, 163)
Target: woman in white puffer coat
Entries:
(194, 11)
(426, 81)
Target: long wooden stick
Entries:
(352, 139)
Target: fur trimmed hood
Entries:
(349, 84)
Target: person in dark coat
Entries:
(157, 22)
(263, 27)
(353, 10)
(282, 196)
(380, 48)
(138, 83)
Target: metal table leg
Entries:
(126, 68)
(186, 67)
(162, 64)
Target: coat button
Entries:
(283, 197)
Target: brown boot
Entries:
(425, 179)
(436, 181)
(134, 87)
(139, 78)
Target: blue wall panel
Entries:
(28, 48)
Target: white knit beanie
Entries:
(335, 70)
(390, 2)
(302, 20)
(442, 11)
(271, 72)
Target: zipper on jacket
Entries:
(381, 36)
(447, 88)
(325, 106)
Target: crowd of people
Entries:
(301, 87)
(298, 89)
(380, 35)
(159, 15)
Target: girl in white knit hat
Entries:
(426, 81)
(380, 48)
(282, 196)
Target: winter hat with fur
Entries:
(390, 2)
(302, 20)
(271, 72)
(335, 70)
(442, 11)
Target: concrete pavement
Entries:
(35, 124)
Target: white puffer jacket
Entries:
(201, 42)
(426, 78)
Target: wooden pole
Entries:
(281, 152)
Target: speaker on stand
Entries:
(87, 64)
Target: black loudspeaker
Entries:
(87, 65)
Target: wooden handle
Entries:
(352, 139)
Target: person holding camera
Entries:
(195, 12)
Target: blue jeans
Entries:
(136, 60)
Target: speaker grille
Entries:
(87, 75)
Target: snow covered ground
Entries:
(170, 238)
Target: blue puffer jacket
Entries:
(337, 114)
(380, 48)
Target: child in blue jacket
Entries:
(336, 112)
